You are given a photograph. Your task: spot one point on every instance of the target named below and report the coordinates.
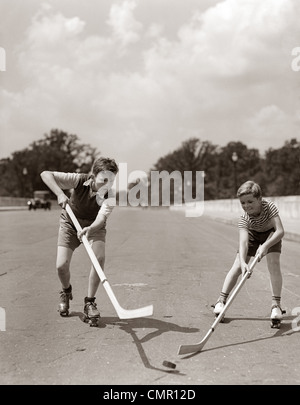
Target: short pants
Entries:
(67, 234)
(258, 238)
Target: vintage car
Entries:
(41, 199)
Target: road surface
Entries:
(153, 256)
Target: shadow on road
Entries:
(130, 326)
(285, 330)
(161, 327)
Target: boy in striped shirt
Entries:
(260, 232)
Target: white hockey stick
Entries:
(122, 313)
(186, 349)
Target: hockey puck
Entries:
(169, 364)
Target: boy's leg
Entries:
(63, 260)
(233, 275)
(98, 247)
(90, 306)
(273, 261)
(229, 283)
(64, 256)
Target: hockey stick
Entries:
(122, 313)
(186, 349)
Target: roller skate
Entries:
(65, 297)
(218, 307)
(276, 316)
(91, 313)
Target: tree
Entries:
(282, 169)
(222, 174)
(231, 174)
(58, 151)
(193, 155)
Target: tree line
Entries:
(57, 151)
(225, 168)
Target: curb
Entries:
(13, 208)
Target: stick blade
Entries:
(188, 349)
(135, 313)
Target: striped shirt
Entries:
(262, 222)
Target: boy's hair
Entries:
(102, 164)
(250, 187)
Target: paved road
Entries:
(157, 257)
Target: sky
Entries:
(136, 78)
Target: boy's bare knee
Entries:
(101, 260)
(273, 261)
(63, 267)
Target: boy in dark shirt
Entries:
(91, 206)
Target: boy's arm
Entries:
(274, 238)
(100, 220)
(49, 179)
(243, 249)
(98, 223)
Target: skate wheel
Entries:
(85, 319)
(275, 324)
(94, 324)
(93, 321)
(64, 314)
